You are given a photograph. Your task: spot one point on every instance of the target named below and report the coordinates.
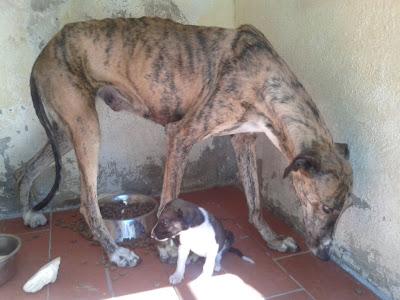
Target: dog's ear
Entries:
(343, 149)
(308, 162)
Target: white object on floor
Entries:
(46, 274)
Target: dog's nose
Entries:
(322, 252)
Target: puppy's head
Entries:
(176, 217)
(170, 223)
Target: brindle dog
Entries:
(198, 82)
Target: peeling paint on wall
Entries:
(132, 149)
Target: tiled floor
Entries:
(84, 275)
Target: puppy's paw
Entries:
(124, 258)
(217, 268)
(175, 278)
(34, 219)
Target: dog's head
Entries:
(176, 216)
(323, 181)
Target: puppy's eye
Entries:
(326, 209)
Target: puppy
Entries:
(195, 230)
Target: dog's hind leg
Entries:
(26, 175)
(244, 147)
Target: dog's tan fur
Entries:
(198, 82)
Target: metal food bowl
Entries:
(9, 247)
(134, 228)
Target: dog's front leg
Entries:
(245, 150)
(209, 264)
(177, 277)
(85, 134)
(179, 144)
(181, 138)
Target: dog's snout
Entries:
(322, 253)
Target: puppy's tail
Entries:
(49, 128)
(240, 254)
(229, 240)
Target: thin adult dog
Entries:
(197, 82)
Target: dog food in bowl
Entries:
(128, 216)
(122, 210)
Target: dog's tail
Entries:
(229, 240)
(49, 128)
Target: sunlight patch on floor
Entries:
(165, 293)
(226, 286)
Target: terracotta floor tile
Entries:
(16, 226)
(34, 253)
(300, 295)
(230, 202)
(150, 275)
(264, 276)
(81, 274)
(324, 280)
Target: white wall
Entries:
(346, 53)
(133, 149)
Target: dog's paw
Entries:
(175, 278)
(34, 219)
(284, 244)
(217, 268)
(124, 258)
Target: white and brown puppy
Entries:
(195, 230)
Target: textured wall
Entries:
(347, 55)
(133, 150)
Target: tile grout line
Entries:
(285, 294)
(291, 255)
(291, 277)
(109, 283)
(178, 294)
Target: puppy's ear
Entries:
(183, 218)
(179, 213)
(309, 163)
(189, 217)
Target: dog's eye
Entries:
(326, 209)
